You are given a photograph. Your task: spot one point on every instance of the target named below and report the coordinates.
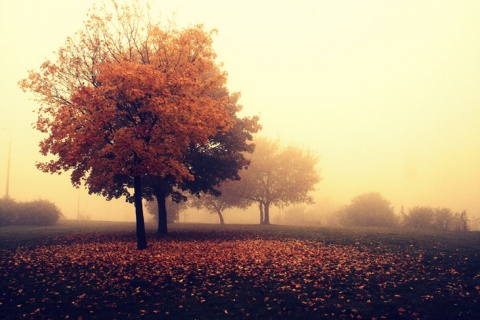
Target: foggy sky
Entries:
(386, 92)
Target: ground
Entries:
(93, 270)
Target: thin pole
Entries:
(78, 205)
(8, 167)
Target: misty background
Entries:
(386, 92)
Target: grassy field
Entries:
(93, 270)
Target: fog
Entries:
(385, 92)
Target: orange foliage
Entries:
(128, 97)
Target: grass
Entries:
(92, 270)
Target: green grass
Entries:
(200, 271)
(18, 236)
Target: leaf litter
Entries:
(235, 276)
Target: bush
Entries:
(37, 212)
(439, 219)
(7, 211)
(419, 218)
(461, 222)
(368, 210)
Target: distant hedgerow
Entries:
(439, 219)
(38, 212)
(7, 211)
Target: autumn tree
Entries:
(228, 195)
(127, 96)
(368, 210)
(221, 158)
(279, 176)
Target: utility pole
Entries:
(7, 195)
(78, 205)
(8, 167)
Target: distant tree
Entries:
(229, 195)
(368, 210)
(279, 176)
(128, 98)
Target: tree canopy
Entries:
(129, 98)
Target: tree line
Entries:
(372, 210)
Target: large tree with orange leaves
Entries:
(128, 97)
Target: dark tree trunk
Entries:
(161, 196)
(266, 219)
(141, 235)
(261, 212)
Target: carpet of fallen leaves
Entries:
(238, 275)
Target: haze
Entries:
(386, 92)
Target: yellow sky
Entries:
(386, 92)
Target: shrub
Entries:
(7, 211)
(440, 219)
(461, 222)
(419, 218)
(368, 210)
(38, 212)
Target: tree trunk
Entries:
(261, 212)
(464, 219)
(141, 235)
(218, 210)
(222, 222)
(266, 219)
(162, 211)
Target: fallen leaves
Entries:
(216, 276)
